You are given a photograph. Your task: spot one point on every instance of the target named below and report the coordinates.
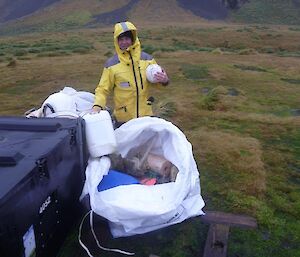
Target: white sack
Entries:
(136, 209)
(65, 103)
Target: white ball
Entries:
(151, 70)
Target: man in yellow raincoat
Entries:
(124, 74)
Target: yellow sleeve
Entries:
(104, 87)
(153, 61)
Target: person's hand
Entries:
(162, 77)
(96, 109)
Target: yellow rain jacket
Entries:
(124, 74)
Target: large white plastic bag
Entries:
(136, 209)
(66, 103)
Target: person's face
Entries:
(124, 42)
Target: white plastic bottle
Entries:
(100, 135)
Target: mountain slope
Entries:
(21, 16)
(269, 12)
(161, 11)
(11, 10)
(210, 9)
(62, 15)
(67, 14)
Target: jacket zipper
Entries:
(136, 85)
(141, 78)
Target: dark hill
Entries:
(14, 9)
(22, 16)
(209, 9)
(115, 16)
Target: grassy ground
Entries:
(272, 12)
(235, 92)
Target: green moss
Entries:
(81, 50)
(294, 28)
(53, 54)
(20, 52)
(209, 101)
(185, 45)
(149, 49)
(249, 68)
(288, 54)
(167, 49)
(48, 47)
(291, 81)
(205, 49)
(195, 72)
(166, 109)
(108, 54)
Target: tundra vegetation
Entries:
(234, 92)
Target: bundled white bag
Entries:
(67, 103)
(137, 209)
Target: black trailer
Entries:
(42, 164)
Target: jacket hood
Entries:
(135, 48)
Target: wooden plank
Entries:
(216, 241)
(229, 219)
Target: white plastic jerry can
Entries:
(100, 134)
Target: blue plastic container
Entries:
(115, 178)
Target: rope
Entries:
(95, 237)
